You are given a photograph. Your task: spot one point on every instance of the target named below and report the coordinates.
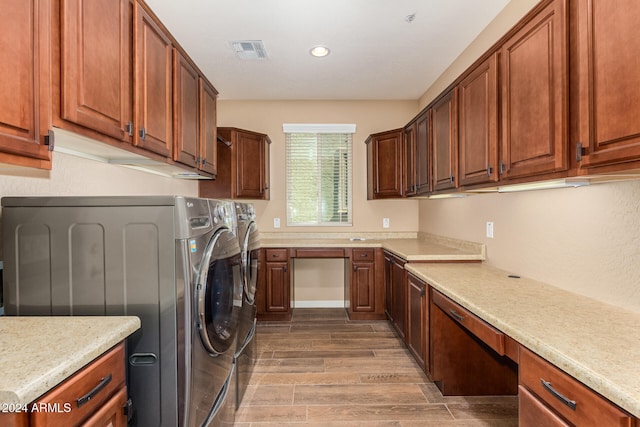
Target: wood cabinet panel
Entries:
(418, 321)
(242, 166)
(112, 413)
(208, 127)
(24, 93)
(533, 413)
(606, 82)
(96, 57)
(444, 142)
(422, 156)
(409, 159)
(277, 295)
(185, 106)
(153, 85)
(534, 95)
(363, 289)
(395, 290)
(478, 125)
(385, 165)
(566, 396)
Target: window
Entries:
(318, 162)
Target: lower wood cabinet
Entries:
(95, 396)
(550, 397)
(417, 336)
(395, 291)
(366, 285)
(273, 294)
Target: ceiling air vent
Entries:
(249, 49)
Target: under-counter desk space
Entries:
(596, 343)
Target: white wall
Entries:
(586, 239)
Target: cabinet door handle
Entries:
(422, 292)
(143, 133)
(489, 170)
(285, 268)
(355, 268)
(87, 397)
(455, 314)
(547, 386)
(129, 128)
(451, 179)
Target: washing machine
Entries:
(173, 261)
(246, 352)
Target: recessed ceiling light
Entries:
(319, 51)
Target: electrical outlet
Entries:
(276, 222)
(385, 223)
(490, 229)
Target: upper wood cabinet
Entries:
(478, 124)
(385, 164)
(185, 100)
(95, 66)
(444, 142)
(153, 85)
(208, 127)
(534, 95)
(422, 158)
(606, 84)
(24, 98)
(242, 166)
(408, 162)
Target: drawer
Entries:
(276, 255)
(478, 327)
(363, 254)
(84, 393)
(568, 397)
(319, 253)
(533, 413)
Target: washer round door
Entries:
(250, 253)
(219, 292)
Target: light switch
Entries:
(490, 229)
(385, 223)
(276, 222)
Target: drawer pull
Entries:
(547, 385)
(457, 316)
(87, 397)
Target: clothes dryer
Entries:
(246, 352)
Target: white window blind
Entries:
(318, 169)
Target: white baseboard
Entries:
(317, 304)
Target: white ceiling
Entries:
(375, 52)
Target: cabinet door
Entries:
(96, 65)
(185, 96)
(388, 289)
(534, 96)
(153, 86)
(252, 158)
(111, 414)
(25, 82)
(398, 289)
(277, 287)
(606, 71)
(385, 163)
(208, 128)
(363, 293)
(533, 413)
(417, 319)
(444, 134)
(422, 171)
(409, 162)
(478, 125)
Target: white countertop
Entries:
(38, 353)
(597, 343)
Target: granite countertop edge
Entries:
(39, 352)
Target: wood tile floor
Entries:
(322, 370)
